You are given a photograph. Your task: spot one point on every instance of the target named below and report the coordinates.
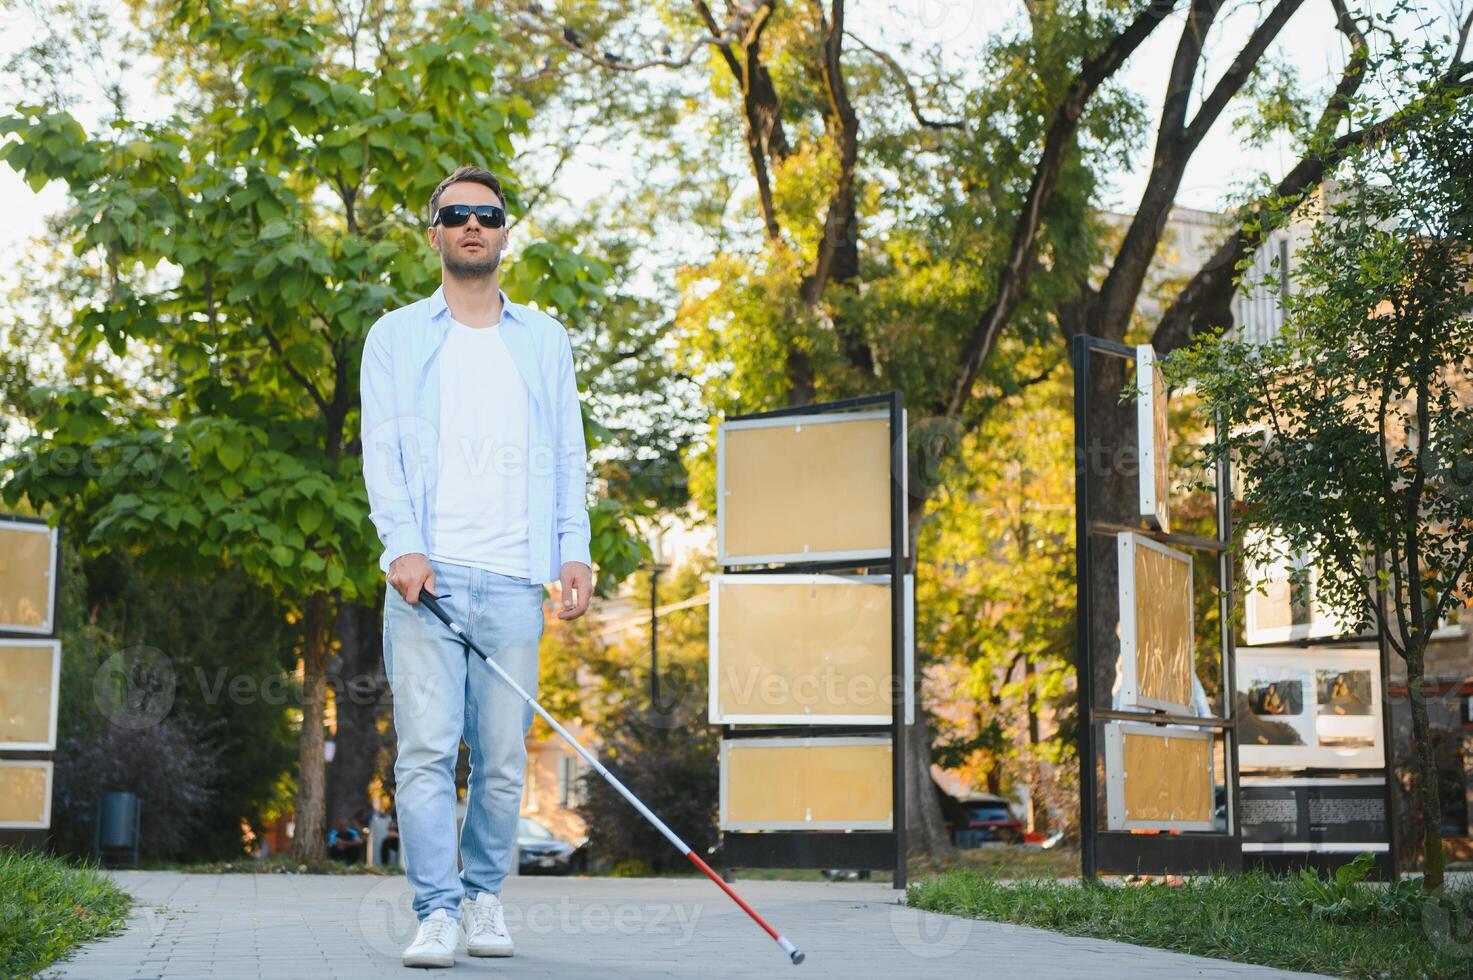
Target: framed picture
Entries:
(30, 683)
(1158, 778)
(25, 794)
(1281, 602)
(840, 783)
(28, 582)
(804, 488)
(1157, 639)
(1153, 439)
(1315, 708)
(809, 649)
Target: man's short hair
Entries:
(474, 175)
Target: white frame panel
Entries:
(17, 642)
(722, 558)
(821, 742)
(47, 767)
(49, 626)
(1130, 696)
(1312, 755)
(1322, 623)
(1155, 512)
(811, 578)
(910, 648)
(905, 482)
(1115, 818)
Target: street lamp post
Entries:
(655, 569)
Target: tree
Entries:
(994, 607)
(249, 245)
(665, 753)
(1352, 430)
(911, 226)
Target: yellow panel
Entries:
(806, 487)
(23, 793)
(1163, 626)
(1167, 779)
(794, 783)
(25, 693)
(25, 575)
(798, 649)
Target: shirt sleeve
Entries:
(383, 437)
(573, 529)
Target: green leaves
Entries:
(554, 277)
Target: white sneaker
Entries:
(485, 927)
(434, 943)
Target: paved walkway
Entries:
(317, 926)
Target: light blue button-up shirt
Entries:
(400, 386)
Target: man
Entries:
(344, 843)
(474, 458)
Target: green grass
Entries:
(48, 906)
(1340, 928)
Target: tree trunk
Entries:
(310, 836)
(1433, 858)
(1037, 810)
(925, 827)
(358, 685)
(1110, 465)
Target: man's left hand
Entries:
(577, 588)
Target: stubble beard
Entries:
(474, 269)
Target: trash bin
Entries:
(118, 818)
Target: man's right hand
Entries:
(409, 573)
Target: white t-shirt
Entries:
(481, 494)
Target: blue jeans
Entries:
(442, 690)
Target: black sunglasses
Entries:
(455, 215)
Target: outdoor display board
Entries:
(1276, 609)
(803, 648)
(30, 676)
(806, 783)
(27, 578)
(1315, 708)
(1152, 435)
(25, 794)
(1300, 815)
(1157, 639)
(812, 656)
(1158, 778)
(804, 488)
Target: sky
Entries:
(1309, 43)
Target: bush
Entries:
(674, 772)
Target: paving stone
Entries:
(321, 927)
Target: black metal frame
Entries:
(855, 849)
(1122, 851)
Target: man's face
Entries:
(470, 251)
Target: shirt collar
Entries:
(438, 304)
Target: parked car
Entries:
(540, 851)
(985, 819)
